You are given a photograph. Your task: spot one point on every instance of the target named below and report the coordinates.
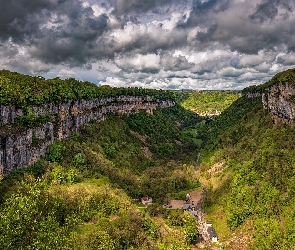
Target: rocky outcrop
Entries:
(24, 148)
(252, 95)
(279, 100)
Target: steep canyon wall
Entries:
(23, 148)
(279, 100)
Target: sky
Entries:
(162, 44)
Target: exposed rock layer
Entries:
(24, 148)
(279, 100)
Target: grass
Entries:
(97, 182)
(216, 214)
(191, 132)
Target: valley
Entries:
(233, 155)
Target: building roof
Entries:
(193, 213)
(212, 233)
(188, 206)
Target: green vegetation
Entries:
(85, 193)
(80, 195)
(259, 158)
(203, 102)
(22, 90)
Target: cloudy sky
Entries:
(167, 44)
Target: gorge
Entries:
(26, 146)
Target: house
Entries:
(208, 224)
(212, 234)
(190, 208)
(193, 213)
(146, 200)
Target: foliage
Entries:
(55, 152)
(209, 101)
(164, 131)
(22, 90)
(151, 228)
(78, 160)
(26, 223)
(75, 198)
(190, 228)
(260, 156)
(185, 221)
(100, 240)
(175, 245)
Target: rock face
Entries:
(252, 95)
(24, 148)
(279, 100)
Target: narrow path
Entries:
(201, 222)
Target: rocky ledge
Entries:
(23, 148)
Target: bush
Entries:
(55, 152)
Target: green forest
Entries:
(85, 193)
(203, 102)
(22, 90)
(255, 189)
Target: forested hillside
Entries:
(209, 102)
(83, 194)
(22, 90)
(248, 166)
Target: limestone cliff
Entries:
(252, 95)
(279, 100)
(278, 95)
(20, 149)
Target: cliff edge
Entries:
(278, 95)
(35, 112)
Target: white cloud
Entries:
(139, 62)
(171, 44)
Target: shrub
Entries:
(55, 152)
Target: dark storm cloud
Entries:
(55, 31)
(210, 5)
(20, 17)
(203, 11)
(139, 6)
(73, 44)
(269, 9)
(205, 37)
(244, 27)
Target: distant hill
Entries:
(22, 90)
(210, 103)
